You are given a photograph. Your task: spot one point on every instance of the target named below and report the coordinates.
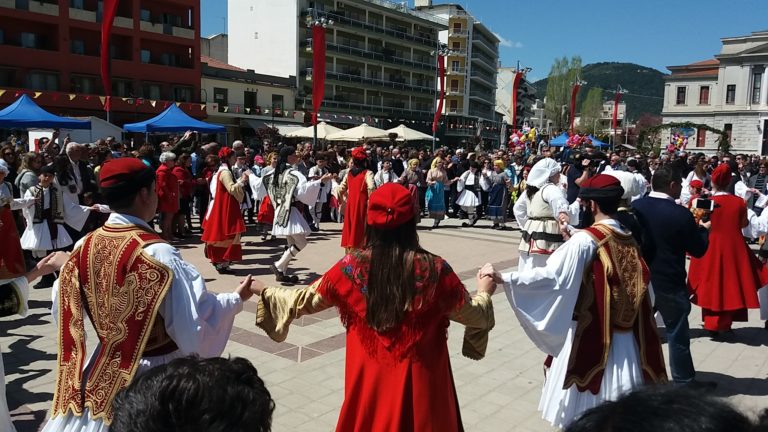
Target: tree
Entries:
(560, 82)
(591, 110)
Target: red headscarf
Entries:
(225, 153)
(721, 177)
(359, 153)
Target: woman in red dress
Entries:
(726, 279)
(357, 185)
(11, 258)
(167, 187)
(186, 190)
(223, 223)
(398, 373)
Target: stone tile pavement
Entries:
(305, 374)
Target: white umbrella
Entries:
(404, 133)
(358, 133)
(323, 130)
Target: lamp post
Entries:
(314, 21)
(441, 50)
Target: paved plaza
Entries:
(305, 374)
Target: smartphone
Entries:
(704, 204)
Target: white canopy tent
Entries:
(404, 133)
(358, 133)
(323, 130)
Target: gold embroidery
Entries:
(123, 315)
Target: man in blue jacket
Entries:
(670, 232)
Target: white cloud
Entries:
(506, 42)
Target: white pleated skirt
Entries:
(297, 225)
(38, 237)
(468, 199)
(622, 375)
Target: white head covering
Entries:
(628, 182)
(4, 167)
(542, 171)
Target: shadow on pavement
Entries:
(732, 386)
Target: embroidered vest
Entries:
(56, 204)
(613, 297)
(280, 190)
(112, 279)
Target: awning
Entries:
(283, 127)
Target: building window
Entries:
(454, 86)
(704, 95)
(151, 91)
(77, 4)
(457, 27)
(728, 129)
(43, 81)
(730, 94)
(145, 15)
(455, 45)
(29, 40)
(182, 94)
(122, 88)
(77, 46)
(680, 98)
(146, 56)
(453, 106)
(249, 100)
(8, 77)
(455, 65)
(277, 105)
(83, 84)
(2, 36)
(701, 137)
(757, 84)
(220, 97)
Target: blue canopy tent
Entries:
(173, 119)
(597, 143)
(25, 114)
(559, 141)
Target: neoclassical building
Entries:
(725, 93)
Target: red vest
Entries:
(120, 287)
(613, 297)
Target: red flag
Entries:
(574, 93)
(439, 112)
(108, 17)
(318, 70)
(515, 85)
(616, 101)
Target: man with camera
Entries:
(671, 232)
(583, 166)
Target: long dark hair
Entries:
(282, 159)
(530, 191)
(359, 165)
(392, 274)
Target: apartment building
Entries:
(470, 105)
(51, 47)
(381, 63)
(725, 93)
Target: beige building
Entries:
(245, 101)
(725, 93)
(470, 102)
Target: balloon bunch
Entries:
(679, 141)
(577, 140)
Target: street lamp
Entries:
(441, 50)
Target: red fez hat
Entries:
(120, 171)
(225, 153)
(721, 176)
(390, 206)
(601, 186)
(359, 153)
(697, 184)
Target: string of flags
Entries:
(55, 96)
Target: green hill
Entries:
(645, 86)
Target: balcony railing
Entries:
(482, 75)
(489, 62)
(481, 41)
(455, 71)
(343, 18)
(371, 108)
(374, 55)
(453, 32)
(394, 83)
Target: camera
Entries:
(704, 204)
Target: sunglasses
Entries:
(8, 154)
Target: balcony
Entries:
(456, 71)
(489, 79)
(82, 15)
(167, 29)
(394, 83)
(455, 91)
(347, 19)
(484, 61)
(385, 56)
(123, 22)
(458, 33)
(340, 102)
(485, 44)
(147, 26)
(484, 96)
(183, 32)
(44, 8)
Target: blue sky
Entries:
(653, 33)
